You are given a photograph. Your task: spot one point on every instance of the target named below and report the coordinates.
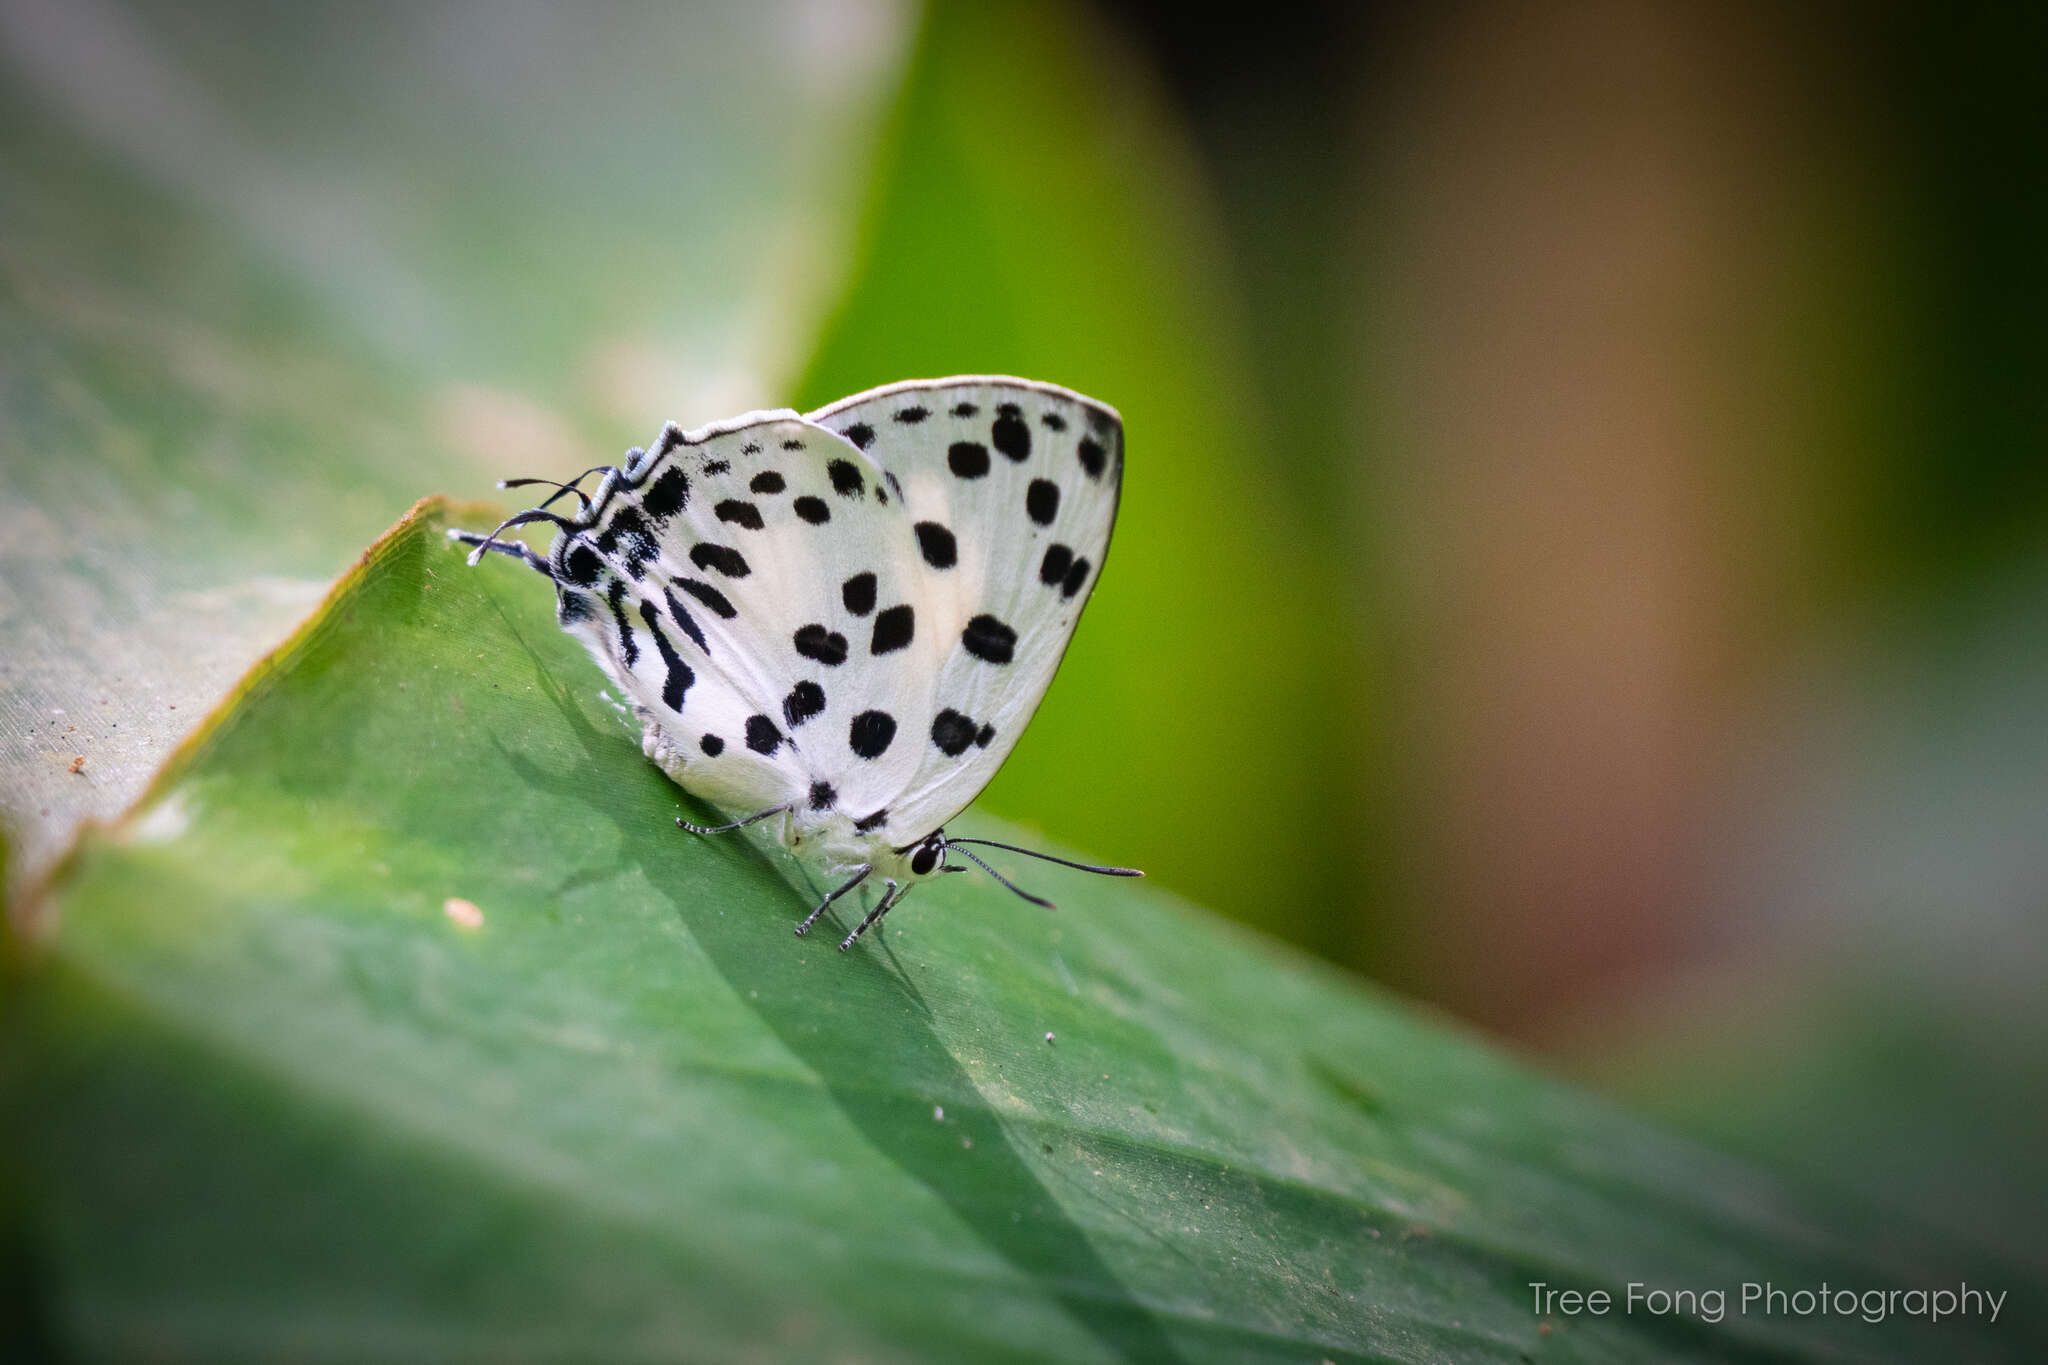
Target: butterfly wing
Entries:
(859, 610)
(691, 578)
(1009, 491)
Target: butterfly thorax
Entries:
(832, 839)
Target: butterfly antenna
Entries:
(1029, 853)
(561, 490)
(1035, 900)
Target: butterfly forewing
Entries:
(860, 609)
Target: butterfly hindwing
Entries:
(857, 610)
(1010, 491)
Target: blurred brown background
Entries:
(1667, 382)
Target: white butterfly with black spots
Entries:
(842, 622)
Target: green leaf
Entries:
(269, 1097)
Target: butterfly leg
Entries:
(889, 901)
(812, 918)
(681, 823)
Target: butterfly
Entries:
(842, 622)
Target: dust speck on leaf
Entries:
(465, 914)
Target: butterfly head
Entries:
(928, 858)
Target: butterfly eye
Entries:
(926, 858)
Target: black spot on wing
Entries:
(792, 444)
(1076, 576)
(1094, 458)
(871, 733)
(629, 648)
(711, 597)
(628, 536)
(1054, 422)
(1042, 501)
(712, 746)
(822, 796)
(1053, 568)
(767, 481)
(968, 459)
(679, 675)
(989, 640)
(762, 736)
(952, 732)
(965, 410)
(720, 558)
(667, 495)
(751, 448)
(912, 415)
(861, 434)
(858, 593)
(872, 822)
(983, 736)
(827, 646)
(894, 629)
(937, 545)
(685, 620)
(812, 510)
(846, 479)
(581, 565)
(717, 466)
(740, 513)
(805, 700)
(626, 521)
(1010, 435)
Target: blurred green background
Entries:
(1585, 548)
